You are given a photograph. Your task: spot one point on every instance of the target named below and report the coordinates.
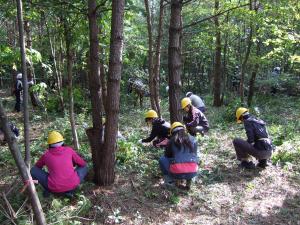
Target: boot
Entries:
(247, 165)
(262, 163)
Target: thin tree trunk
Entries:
(95, 133)
(107, 156)
(156, 71)
(174, 60)
(244, 64)
(150, 55)
(69, 53)
(22, 167)
(25, 82)
(253, 75)
(58, 80)
(34, 99)
(217, 70)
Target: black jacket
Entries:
(160, 129)
(257, 133)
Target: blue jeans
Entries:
(42, 176)
(164, 164)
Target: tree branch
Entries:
(211, 17)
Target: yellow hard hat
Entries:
(239, 112)
(151, 114)
(54, 137)
(174, 125)
(185, 102)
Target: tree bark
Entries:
(22, 167)
(107, 156)
(69, 53)
(253, 75)
(25, 82)
(150, 56)
(58, 80)
(217, 70)
(156, 71)
(34, 99)
(95, 133)
(245, 61)
(174, 60)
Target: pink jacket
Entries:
(60, 162)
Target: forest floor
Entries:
(223, 193)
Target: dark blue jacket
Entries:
(182, 154)
(257, 133)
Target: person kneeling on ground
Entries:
(180, 160)
(160, 129)
(195, 121)
(60, 160)
(196, 101)
(258, 144)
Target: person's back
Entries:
(197, 101)
(62, 176)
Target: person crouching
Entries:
(160, 129)
(180, 161)
(258, 144)
(60, 160)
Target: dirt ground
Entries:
(222, 193)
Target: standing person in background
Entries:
(258, 143)
(18, 92)
(194, 120)
(196, 101)
(60, 161)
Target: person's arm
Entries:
(153, 134)
(41, 162)
(168, 150)
(195, 120)
(77, 160)
(250, 132)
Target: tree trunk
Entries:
(174, 60)
(150, 56)
(217, 74)
(253, 75)
(244, 64)
(95, 133)
(23, 169)
(107, 156)
(56, 73)
(156, 71)
(34, 99)
(25, 82)
(70, 55)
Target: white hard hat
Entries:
(19, 76)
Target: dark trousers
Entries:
(243, 149)
(18, 101)
(42, 176)
(194, 130)
(202, 109)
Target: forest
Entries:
(149, 112)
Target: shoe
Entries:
(188, 184)
(262, 163)
(247, 165)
